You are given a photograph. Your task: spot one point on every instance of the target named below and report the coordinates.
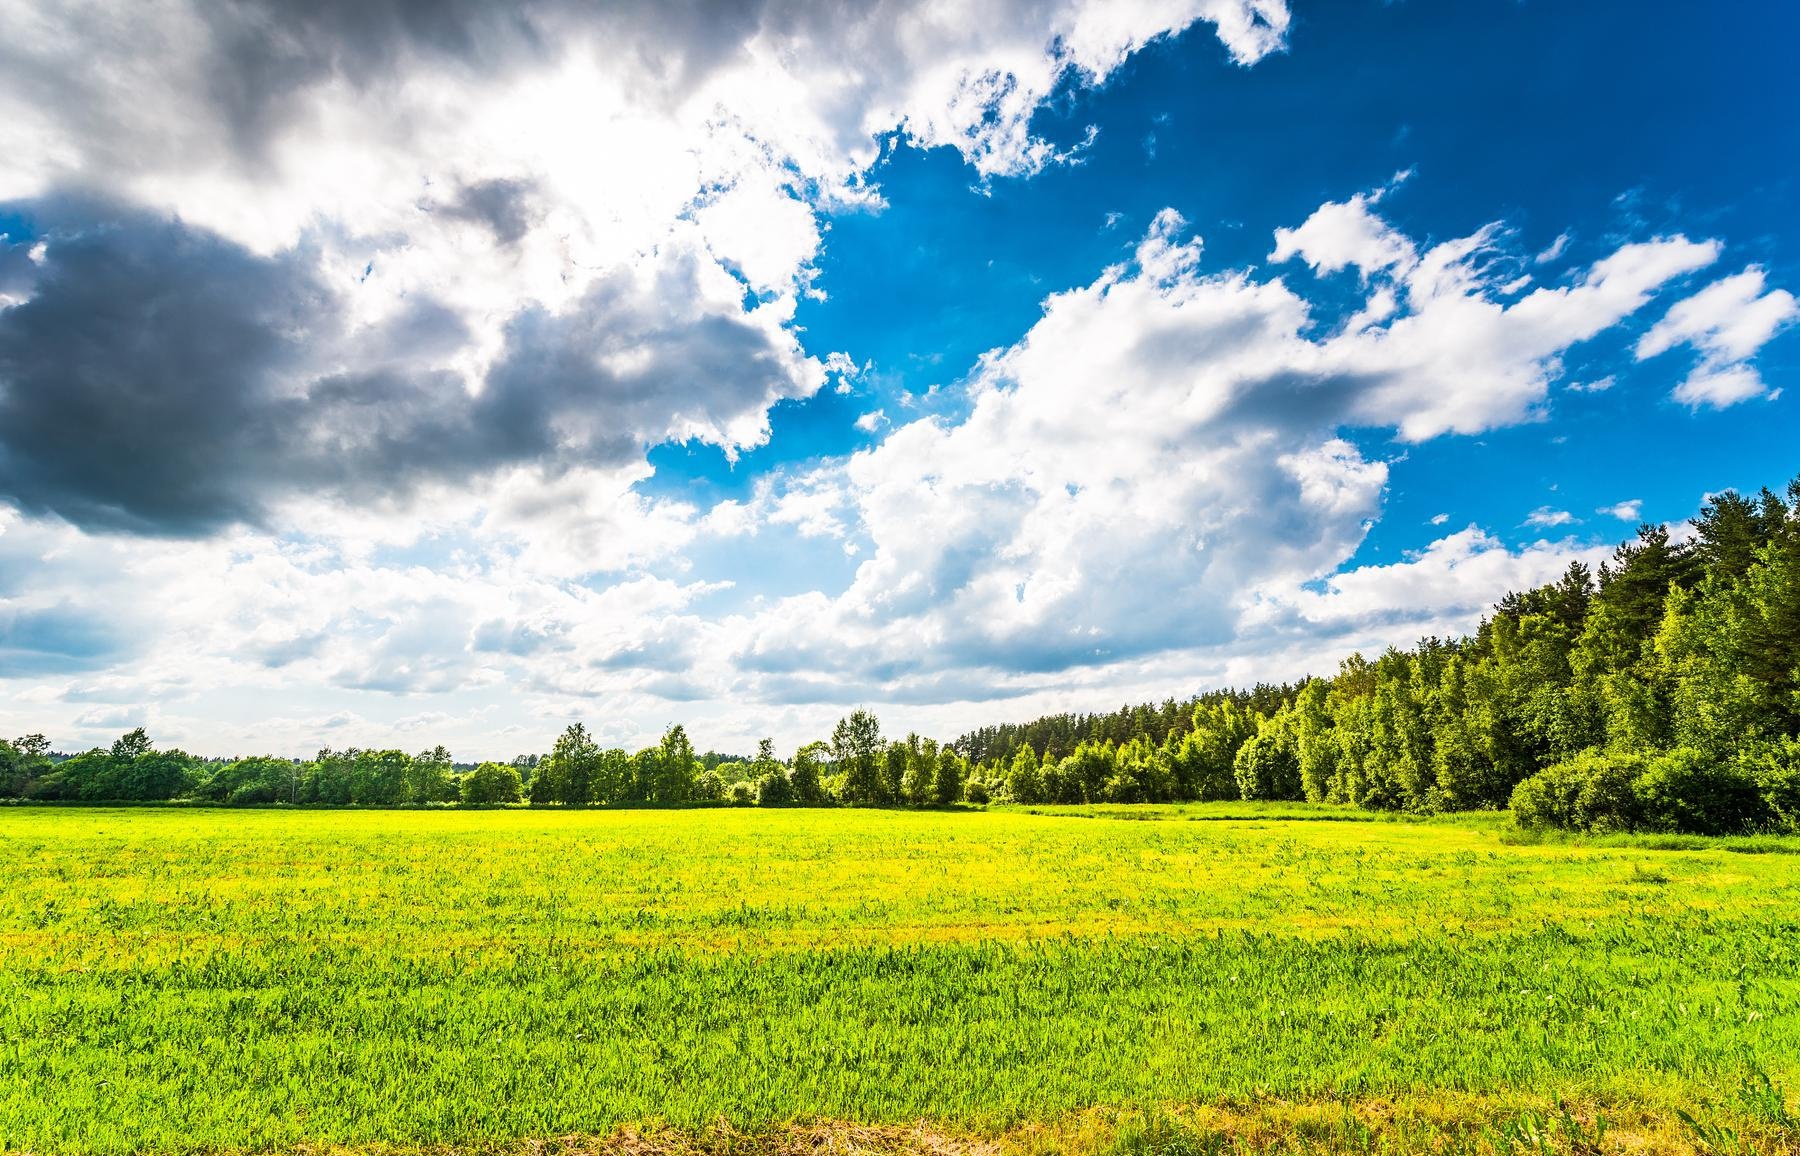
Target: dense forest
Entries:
(1662, 693)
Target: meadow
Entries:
(1144, 979)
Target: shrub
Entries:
(1692, 793)
(976, 792)
(1590, 792)
(740, 794)
(1775, 769)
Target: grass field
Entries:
(1152, 980)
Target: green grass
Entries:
(210, 980)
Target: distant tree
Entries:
(1204, 761)
(676, 768)
(22, 763)
(1268, 765)
(378, 778)
(952, 775)
(709, 787)
(1024, 783)
(773, 789)
(131, 744)
(806, 777)
(430, 777)
(328, 778)
(492, 784)
(645, 775)
(155, 776)
(857, 749)
(612, 778)
(919, 780)
(260, 779)
(566, 775)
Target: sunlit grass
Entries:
(189, 980)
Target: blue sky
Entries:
(637, 372)
(1598, 121)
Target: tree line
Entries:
(1662, 693)
(857, 766)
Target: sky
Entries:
(394, 373)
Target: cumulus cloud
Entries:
(360, 246)
(1627, 511)
(1442, 589)
(1347, 233)
(1151, 482)
(1727, 322)
(387, 301)
(1436, 348)
(136, 326)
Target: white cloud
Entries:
(1728, 322)
(1440, 353)
(1347, 233)
(536, 182)
(1150, 488)
(1546, 516)
(1627, 511)
(1720, 387)
(1441, 590)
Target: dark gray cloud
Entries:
(138, 382)
(504, 206)
(162, 380)
(61, 639)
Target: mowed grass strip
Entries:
(219, 981)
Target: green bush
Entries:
(1591, 792)
(1775, 769)
(1691, 793)
(1683, 791)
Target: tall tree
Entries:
(856, 748)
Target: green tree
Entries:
(709, 787)
(328, 778)
(806, 778)
(492, 784)
(259, 779)
(566, 775)
(1315, 743)
(1205, 758)
(919, 782)
(130, 745)
(952, 774)
(22, 763)
(431, 777)
(1268, 765)
(378, 778)
(856, 748)
(1024, 783)
(676, 768)
(773, 789)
